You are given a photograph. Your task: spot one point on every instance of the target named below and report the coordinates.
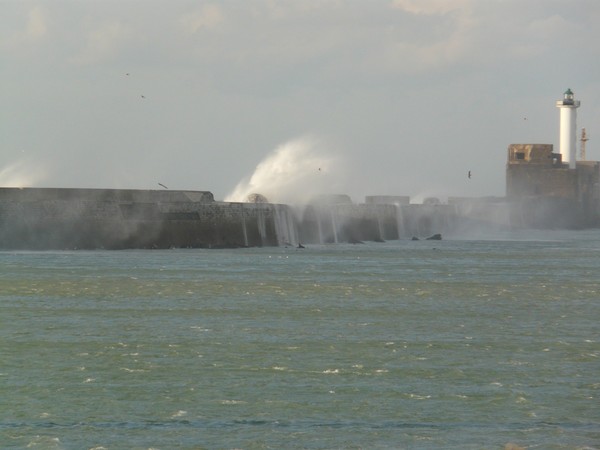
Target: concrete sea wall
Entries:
(115, 219)
(374, 222)
(48, 218)
(39, 218)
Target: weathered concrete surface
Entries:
(115, 219)
(104, 195)
(38, 218)
(345, 222)
(545, 193)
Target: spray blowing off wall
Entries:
(294, 173)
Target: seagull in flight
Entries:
(160, 184)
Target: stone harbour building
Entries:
(548, 191)
(554, 189)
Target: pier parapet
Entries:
(48, 218)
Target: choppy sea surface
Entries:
(453, 344)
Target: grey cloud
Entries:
(413, 92)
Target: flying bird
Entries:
(160, 184)
(469, 174)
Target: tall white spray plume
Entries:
(23, 173)
(294, 173)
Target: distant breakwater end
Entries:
(63, 218)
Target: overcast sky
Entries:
(394, 97)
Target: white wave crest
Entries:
(23, 173)
(293, 173)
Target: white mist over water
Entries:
(293, 173)
(20, 174)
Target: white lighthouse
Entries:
(568, 131)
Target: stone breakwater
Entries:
(41, 218)
(50, 218)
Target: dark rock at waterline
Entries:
(435, 237)
(220, 246)
(355, 241)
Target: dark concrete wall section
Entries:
(374, 222)
(104, 195)
(115, 219)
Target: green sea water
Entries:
(453, 344)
